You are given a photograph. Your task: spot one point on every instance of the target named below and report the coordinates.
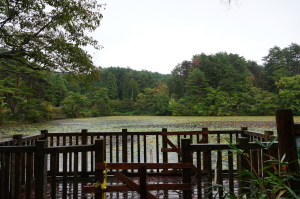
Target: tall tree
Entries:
(134, 88)
(51, 34)
(196, 84)
(112, 89)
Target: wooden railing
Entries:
(71, 156)
(64, 156)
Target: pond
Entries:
(143, 123)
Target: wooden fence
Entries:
(46, 160)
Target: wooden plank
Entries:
(287, 141)
(120, 188)
(40, 174)
(101, 166)
(186, 173)
(84, 154)
(29, 174)
(168, 150)
(199, 176)
(124, 148)
(99, 157)
(132, 185)
(17, 149)
(201, 132)
(53, 171)
(64, 149)
(17, 168)
(172, 145)
(65, 167)
(75, 179)
(204, 147)
(143, 182)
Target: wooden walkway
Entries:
(155, 180)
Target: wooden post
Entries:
(17, 167)
(206, 159)
(143, 184)
(40, 171)
(124, 148)
(244, 164)
(84, 154)
(243, 128)
(164, 145)
(46, 134)
(287, 141)
(186, 173)
(99, 158)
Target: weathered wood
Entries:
(84, 154)
(287, 142)
(67, 149)
(53, 176)
(209, 174)
(204, 147)
(205, 155)
(199, 176)
(145, 148)
(39, 161)
(244, 164)
(164, 145)
(121, 188)
(99, 157)
(143, 183)
(174, 148)
(102, 166)
(29, 174)
(65, 167)
(124, 148)
(218, 170)
(17, 149)
(132, 185)
(75, 181)
(16, 169)
(186, 173)
(287, 138)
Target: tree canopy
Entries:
(49, 34)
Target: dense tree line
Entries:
(215, 84)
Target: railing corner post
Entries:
(40, 169)
(186, 173)
(243, 163)
(45, 132)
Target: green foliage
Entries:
(289, 93)
(121, 107)
(75, 105)
(100, 102)
(273, 184)
(50, 34)
(112, 89)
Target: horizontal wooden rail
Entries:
(118, 188)
(212, 147)
(103, 166)
(68, 149)
(17, 149)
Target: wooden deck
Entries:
(74, 161)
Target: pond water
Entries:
(143, 123)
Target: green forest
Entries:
(221, 84)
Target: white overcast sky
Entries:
(156, 35)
